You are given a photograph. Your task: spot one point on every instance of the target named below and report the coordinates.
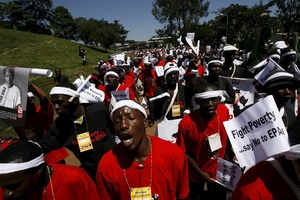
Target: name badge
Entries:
(176, 110)
(141, 193)
(214, 141)
(84, 142)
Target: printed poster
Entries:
(13, 95)
(257, 133)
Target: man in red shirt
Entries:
(140, 166)
(128, 81)
(197, 132)
(112, 84)
(25, 175)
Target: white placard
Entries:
(228, 174)
(190, 35)
(244, 94)
(262, 76)
(120, 95)
(257, 133)
(168, 129)
(159, 70)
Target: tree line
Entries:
(243, 25)
(40, 17)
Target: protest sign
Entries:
(244, 94)
(159, 70)
(257, 133)
(168, 129)
(88, 93)
(118, 96)
(271, 66)
(190, 35)
(13, 95)
(228, 174)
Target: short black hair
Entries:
(9, 69)
(22, 151)
(203, 87)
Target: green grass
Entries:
(28, 50)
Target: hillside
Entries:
(30, 50)
(24, 49)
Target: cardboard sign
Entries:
(228, 174)
(257, 133)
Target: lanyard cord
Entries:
(124, 171)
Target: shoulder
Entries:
(222, 108)
(69, 173)
(110, 158)
(165, 148)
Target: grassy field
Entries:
(24, 49)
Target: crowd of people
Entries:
(120, 160)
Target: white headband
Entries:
(274, 56)
(64, 91)
(130, 104)
(6, 168)
(171, 69)
(111, 73)
(279, 74)
(211, 94)
(289, 53)
(215, 61)
(293, 153)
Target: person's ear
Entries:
(145, 122)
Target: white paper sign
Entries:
(168, 129)
(262, 76)
(257, 133)
(190, 35)
(244, 94)
(159, 70)
(120, 95)
(228, 174)
(88, 93)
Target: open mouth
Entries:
(126, 140)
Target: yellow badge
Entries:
(176, 110)
(84, 142)
(141, 193)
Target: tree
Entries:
(289, 14)
(28, 15)
(179, 15)
(101, 32)
(63, 24)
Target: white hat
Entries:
(280, 45)
(64, 91)
(170, 67)
(230, 48)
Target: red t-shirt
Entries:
(192, 139)
(169, 173)
(69, 182)
(263, 181)
(38, 123)
(130, 83)
(149, 79)
(107, 89)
